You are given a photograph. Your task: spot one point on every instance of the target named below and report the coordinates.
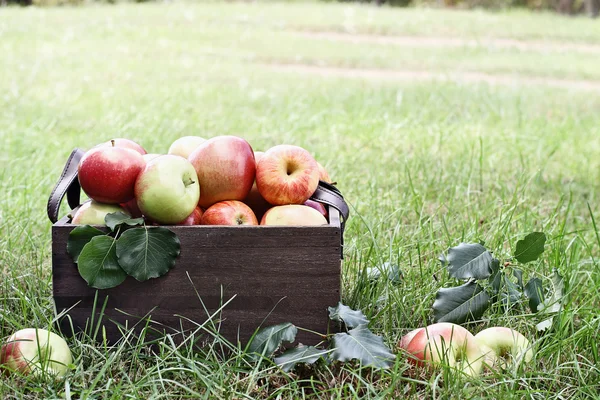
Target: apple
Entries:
(185, 145)
(107, 174)
(293, 214)
(446, 343)
(126, 144)
(500, 342)
(132, 208)
(194, 218)
(317, 206)
(34, 351)
(323, 175)
(150, 156)
(225, 167)
(254, 200)
(167, 190)
(406, 339)
(93, 213)
(229, 212)
(287, 174)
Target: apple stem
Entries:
(112, 142)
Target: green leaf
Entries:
(301, 354)
(79, 237)
(347, 315)
(268, 339)
(362, 344)
(512, 294)
(553, 304)
(530, 247)
(469, 260)
(113, 220)
(460, 304)
(389, 271)
(517, 273)
(146, 253)
(535, 293)
(98, 263)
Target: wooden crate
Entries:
(268, 274)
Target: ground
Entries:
(439, 126)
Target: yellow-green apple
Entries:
(499, 343)
(194, 218)
(287, 174)
(107, 174)
(254, 200)
(229, 212)
(185, 145)
(293, 214)
(323, 175)
(317, 206)
(150, 156)
(446, 344)
(125, 143)
(225, 167)
(36, 351)
(167, 190)
(93, 213)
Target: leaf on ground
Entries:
(146, 253)
(535, 293)
(98, 263)
(496, 279)
(362, 344)
(301, 354)
(268, 339)
(517, 273)
(530, 247)
(113, 220)
(352, 318)
(461, 303)
(553, 304)
(389, 271)
(512, 294)
(469, 260)
(79, 237)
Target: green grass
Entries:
(425, 166)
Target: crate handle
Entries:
(67, 184)
(328, 194)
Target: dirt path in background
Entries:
(420, 41)
(413, 75)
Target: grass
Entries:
(424, 164)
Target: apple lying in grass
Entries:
(107, 174)
(167, 190)
(126, 144)
(93, 213)
(225, 167)
(293, 214)
(406, 339)
(500, 344)
(194, 218)
(230, 212)
(185, 145)
(36, 351)
(446, 344)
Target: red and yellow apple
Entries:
(293, 214)
(229, 212)
(93, 213)
(194, 218)
(254, 200)
(185, 145)
(323, 175)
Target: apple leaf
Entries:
(301, 354)
(113, 220)
(98, 263)
(512, 294)
(553, 304)
(461, 303)
(362, 344)
(146, 253)
(497, 275)
(387, 270)
(530, 247)
(469, 260)
(347, 315)
(79, 237)
(535, 293)
(268, 339)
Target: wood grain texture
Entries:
(269, 275)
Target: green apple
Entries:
(93, 213)
(167, 190)
(184, 146)
(499, 344)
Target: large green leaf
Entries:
(469, 260)
(461, 303)
(113, 220)
(79, 237)
(268, 339)
(348, 316)
(530, 247)
(535, 293)
(362, 344)
(146, 253)
(301, 354)
(98, 263)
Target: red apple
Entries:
(317, 206)
(230, 212)
(194, 218)
(225, 167)
(254, 200)
(132, 208)
(107, 174)
(185, 145)
(34, 351)
(126, 144)
(449, 344)
(323, 175)
(93, 213)
(293, 214)
(287, 174)
(406, 339)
